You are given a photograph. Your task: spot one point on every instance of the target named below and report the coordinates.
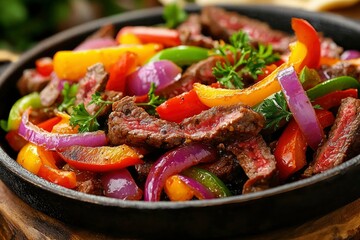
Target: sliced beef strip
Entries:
(218, 124)
(94, 81)
(32, 81)
(343, 142)
(257, 161)
(339, 69)
(51, 92)
(132, 125)
(221, 24)
(199, 72)
(191, 33)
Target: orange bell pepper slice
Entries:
(72, 65)
(177, 190)
(42, 163)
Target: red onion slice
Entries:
(173, 162)
(121, 185)
(300, 106)
(200, 191)
(350, 54)
(52, 141)
(162, 73)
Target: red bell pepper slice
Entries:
(15, 141)
(60, 177)
(307, 35)
(118, 72)
(44, 66)
(333, 99)
(100, 159)
(290, 151)
(167, 37)
(180, 107)
(49, 123)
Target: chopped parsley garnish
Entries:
(275, 110)
(69, 96)
(153, 100)
(82, 118)
(241, 58)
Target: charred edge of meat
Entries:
(132, 125)
(31, 81)
(257, 161)
(343, 142)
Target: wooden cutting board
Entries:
(20, 221)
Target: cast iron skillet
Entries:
(234, 216)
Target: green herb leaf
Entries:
(87, 122)
(173, 15)
(153, 101)
(275, 110)
(246, 60)
(69, 96)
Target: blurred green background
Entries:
(25, 22)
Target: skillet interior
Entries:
(233, 216)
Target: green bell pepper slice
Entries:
(182, 55)
(331, 85)
(14, 119)
(209, 180)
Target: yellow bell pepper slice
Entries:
(249, 96)
(177, 190)
(72, 65)
(128, 38)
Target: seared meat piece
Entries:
(51, 92)
(338, 70)
(198, 72)
(190, 33)
(221, 24)
(94, 81)
(32, 81)
(329, 48)
(257, 161)
(132, 125)
(218, 124)
(343, 142)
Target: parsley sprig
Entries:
(245, 60)
(174, 14)
(69, 96)
(82, 118)
(275, 110)
(153, 100)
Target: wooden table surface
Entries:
(20, 221)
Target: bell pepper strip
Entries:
(42, 163)
(177, 190)
(126, 64)
(290, 150)
(209, 180)
(249, 96)
(182, 55)
(180, 107)
(164, 36)
(307, 35)
(339, 83)
(44, 66)
(128, 38)
(14, 119)
(48, 124)
(100, 159)
(64, 126)
(333, 99)
(72, 65)
(15, 141)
